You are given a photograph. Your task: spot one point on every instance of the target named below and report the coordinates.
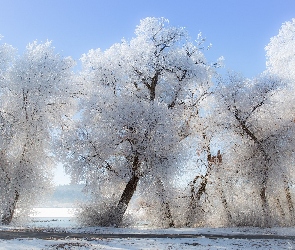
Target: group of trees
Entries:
(150, 125)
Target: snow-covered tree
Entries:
(147, 102)
(35, 97)
(252, 123)
(7, 56)
(257, 144)
(280, 52)
(142, 99)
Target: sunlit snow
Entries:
(52, 212)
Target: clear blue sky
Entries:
(238, 29)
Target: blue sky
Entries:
(238, 30)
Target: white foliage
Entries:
(35, 96)
(141, 99)
(280, 52)
(153, 130)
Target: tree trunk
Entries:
(263, 188)
(289, 199)
(165, 203)
(224, 203)
(280, 208)
(264, 171)
(8, 214)
(265, 208)
(193, 204)
(127, 193)
(223, 197)
(196, 196)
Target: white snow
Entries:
(61, 219)
(66, 223)
(284, 231)
(52, 212)
(201, 243)
(152, 243)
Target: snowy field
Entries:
(53, 217)
(53, 212)
(202, 243)
(66, 223)
(153, 243)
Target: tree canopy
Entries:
(150, 124)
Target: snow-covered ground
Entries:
(66, 223)
(201, 242)
(53, 217)
(53, 212)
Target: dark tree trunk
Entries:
(126, 197)
(127, 193)
(153, 85)
(8, 214)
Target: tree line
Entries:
(150, 125)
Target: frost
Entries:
(151, 129)
(34, 98)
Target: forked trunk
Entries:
(196, 194)
(195, 197)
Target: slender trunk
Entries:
(264, 170)
(223, 197)
(127, 193)
(9, 213)
(279, 207)
(152, 86)
(216, 161)
(224, 203)
(193, 204)
(265, 207)
(263, 189)
(165, 203)
(289, 199)
(196, 196)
